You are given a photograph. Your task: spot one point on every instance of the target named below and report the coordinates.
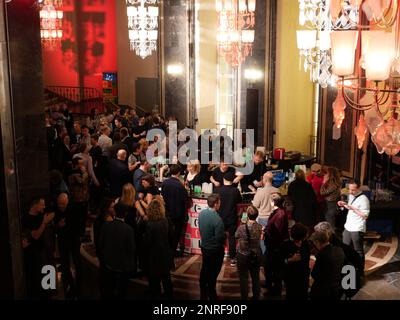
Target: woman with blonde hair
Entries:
(128, 200)
(158, 255)
(144, 146)
(136, 217)
(193, 177)
(331, 190)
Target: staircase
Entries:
(80, 100)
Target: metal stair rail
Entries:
(80, 99)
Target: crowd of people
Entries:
(99, 169)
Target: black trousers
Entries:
(210, 269)
(178, 229)
(357, 240)
(330, 213)
(273, 272)
(81, 211)
(297, 286)
(96, 195)
(70, 248)
(155, 286)
(244, 268)
(114, 284)
(230, 229)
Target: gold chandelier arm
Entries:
(354, 105)
(382, 23)
(385, 112)
(383, 99)
(386, 21)
(313, 59)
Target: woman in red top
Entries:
(316, 179)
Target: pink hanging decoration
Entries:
(393, 130)
(339, 105)
(361, 132)
(355, 2)
(373, 120)
(375, 8)
(379, 148)
(387, 136)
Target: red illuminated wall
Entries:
(96, 50)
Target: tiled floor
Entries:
(382, 280)
(384, 283)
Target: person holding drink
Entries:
(356, 221)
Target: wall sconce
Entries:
(253, 75)
(175, 69)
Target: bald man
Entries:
(121, 155)
(68, 237)
(118, 173)
(262, 199)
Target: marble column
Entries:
(23, 146)
(176, 41)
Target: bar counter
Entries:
(192, 234)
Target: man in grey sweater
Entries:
(263, 202)
(212, 235)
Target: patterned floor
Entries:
(186, 275)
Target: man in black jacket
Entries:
(230, 198)
(117, 145)
(68, 236)
(253, 181)
(175, 197)
(117, 250)
(97, 192)
(327, 271)
(118, 174)
(304, 200)
(351, 255)
(126, 139)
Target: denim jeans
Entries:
(263, 222)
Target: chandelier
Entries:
(361, 41)
(143, 26)
(235, 34)
(51, 17)
(320, 17)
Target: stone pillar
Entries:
(23, 145)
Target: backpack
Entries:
(253, 257)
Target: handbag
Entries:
(253, 257)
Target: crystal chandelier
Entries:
(314, 48)
(322, 16)
(235, 35)
(143, 26)
(51, 17)
(372, 74)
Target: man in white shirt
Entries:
(105, 142)
(356, 222)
